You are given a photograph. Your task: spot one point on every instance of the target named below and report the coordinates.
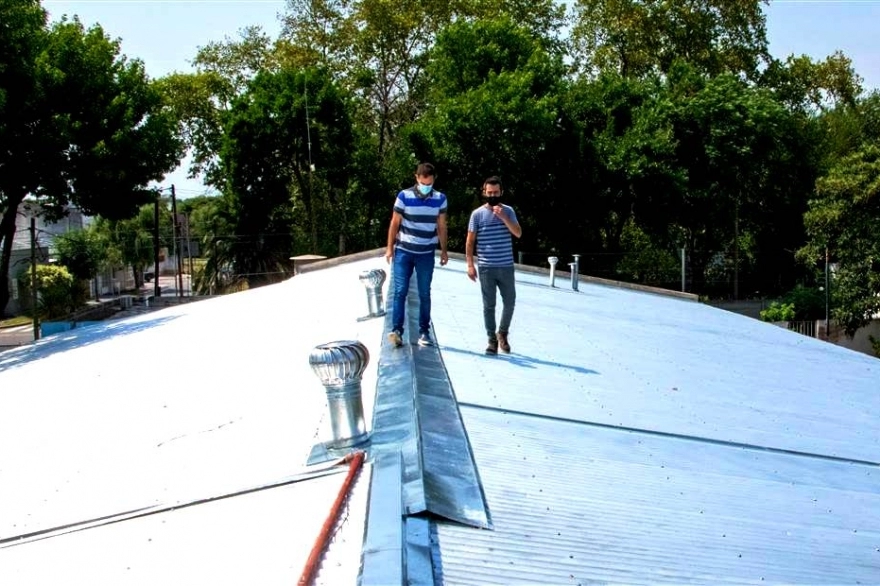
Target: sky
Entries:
(165, 35)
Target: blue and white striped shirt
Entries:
(418, 228)
(494, 241)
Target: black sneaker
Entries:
(502, 342)
(395, 339)
(492, 348)
(425, 339)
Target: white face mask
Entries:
(425, 189)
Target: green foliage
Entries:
(495, 103)
(641, 38)
(87, 125)
(875, 345)
(844, 217)
(643, 262)
(57, 292)
(288, 122)
(809, 302)
(778, 312)
(83, 252)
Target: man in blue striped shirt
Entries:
(418, 225)
(490, 229)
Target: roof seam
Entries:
(671, 435)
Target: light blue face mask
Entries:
(425, 189)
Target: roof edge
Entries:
(380, 253)
(598, 281)
(341, 260)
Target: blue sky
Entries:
(165, 34)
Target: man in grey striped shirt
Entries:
(418, 226)
(491, 228)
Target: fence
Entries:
(807, 328)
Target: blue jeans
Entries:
(404, 264)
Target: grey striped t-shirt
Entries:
(494, 241)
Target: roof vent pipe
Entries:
(552, 260)
(340, 366)
(373, 280)
(575, 271)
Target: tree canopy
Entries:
(81, 123)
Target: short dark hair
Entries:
(425, 170)
(493, 180)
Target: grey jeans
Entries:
(501, 278)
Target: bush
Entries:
(799, 304)
(778, 312)
(57, 291)
(808, 302)
(875, 344)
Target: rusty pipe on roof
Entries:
(340, 367)
(552, 260)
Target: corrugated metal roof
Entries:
(636, 438)
(630, 437)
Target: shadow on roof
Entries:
(521, 360)
(76, 338)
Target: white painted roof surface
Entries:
(636, 438)
(189, 402)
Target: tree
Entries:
(286, 153)
(87, 128)
(494, 108)
(803, 84)
(637, 38)
(84, 253)
(131, 240)
(733, 145)
(377, 50)
(200, 100)
(843, 217)
(624, 161)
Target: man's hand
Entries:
(444, 258)
(389, 254)
(472, 273)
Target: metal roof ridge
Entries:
(422, 461)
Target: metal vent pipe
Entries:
(575, 271)
(373, 281)
(552, 260)
(340, 366)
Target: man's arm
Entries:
(469, 254)
(511, 224)
(441, 236)
(393, 229)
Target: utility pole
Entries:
(190, 256)
(827, 293)
(34, 299)
(175, 247)
(683, 269)
(156, 292)
(736, 252)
